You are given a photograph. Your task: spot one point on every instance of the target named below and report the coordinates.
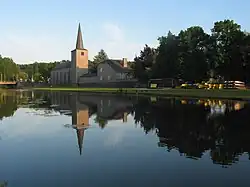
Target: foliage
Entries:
(37, 71)
(8, 69)
(194, 55)
(102, 122)
(144, 63)
(4, 184)
(100, 57)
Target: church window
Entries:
(101, 69)
(101, 78)
(82, 53)
(109, 77)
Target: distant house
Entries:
(109, 71)
(77, 71)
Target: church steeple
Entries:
(79, 42)
(80, 134)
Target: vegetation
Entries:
(100, 57)
(8, 69)
(4, 184)
(37, 71)
(194, 55)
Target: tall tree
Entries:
(144, 62)
(100, 57)
(229, 38)
(167, 62)
(193, 53)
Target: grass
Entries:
(198, 93)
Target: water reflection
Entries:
(192, 127)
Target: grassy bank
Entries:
(199, 93)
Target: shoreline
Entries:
(171, 92)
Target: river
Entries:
(76, 139)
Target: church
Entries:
(70, 71)
(76, 71)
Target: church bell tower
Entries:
(79, 59)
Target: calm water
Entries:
(69, 139)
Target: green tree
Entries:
(23, 76)
(194, 62)
(100, 57)
(167, 60)
(229, 57)
(102, 122)
(8, 69)
(37, 77)
(144, 62)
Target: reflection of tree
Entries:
(4, 184)
(102, 122)
(10, 101)
(187, 129)
(8, 105)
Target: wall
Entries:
(60, 76)
(106, 73)
(79, 64)
(88, 79)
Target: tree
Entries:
(144, 62)
(8, 69)
(102, 122)
(100, 57)
(194, 61)
(23, 76)
(167, 62)
(229, 58)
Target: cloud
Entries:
(116, 43)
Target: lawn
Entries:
(199, 93)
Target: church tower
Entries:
(79, 59)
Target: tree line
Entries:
(39, 71)
(10, 71)
(194, 55)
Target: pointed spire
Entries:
(79, 42)
(80, 134)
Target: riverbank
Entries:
(198, 93)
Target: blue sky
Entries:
(45, 30)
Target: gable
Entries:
(115, 65)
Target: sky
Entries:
(45, 30)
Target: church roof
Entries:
(79, 42)
(63, 65)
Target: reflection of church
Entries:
(82, 107)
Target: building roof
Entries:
(117, 66)
(63, 65)
(79, 42)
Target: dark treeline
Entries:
(194, 55)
